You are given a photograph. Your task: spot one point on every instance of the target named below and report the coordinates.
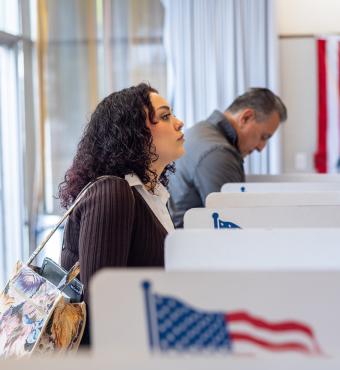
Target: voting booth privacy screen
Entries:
(263, 217)
(241, 314)
(280, 187)
(104, 361)
(247, 199)
(294, 177)
(253, 249)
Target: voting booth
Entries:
(104, 361)
(235, 314)
(253, 249)
(279, 187)
(294, 177)
(245, 199)
(263, 217)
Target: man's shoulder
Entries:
(206, 137)
(201, 127)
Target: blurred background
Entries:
(59, 58)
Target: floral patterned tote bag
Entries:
(36, 316)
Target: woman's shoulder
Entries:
(112, 185)
(107, 189)
(110, 180)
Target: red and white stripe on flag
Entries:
(327, 156)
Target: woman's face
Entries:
(166, 131)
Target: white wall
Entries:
(308, 16)
(299, 92)
(298, 22)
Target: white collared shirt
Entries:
(156, 201)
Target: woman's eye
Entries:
(165, 117)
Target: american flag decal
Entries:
(219, 224)
(173, 325)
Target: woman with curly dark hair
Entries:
(122, 220)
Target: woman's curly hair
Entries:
(116, 141)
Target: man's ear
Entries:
(246, 116)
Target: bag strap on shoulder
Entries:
(65, 216)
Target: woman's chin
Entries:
(180, 153)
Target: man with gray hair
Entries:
(215, 148)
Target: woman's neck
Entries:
(158, 169)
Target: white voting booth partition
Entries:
(294, 177)
(279, 187)
(311, 198)
(104, 361)
(253, 249)
(263, 217)
(233, 315)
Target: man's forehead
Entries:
(272, 119)
(270, 125)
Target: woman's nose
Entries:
(179, 124)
